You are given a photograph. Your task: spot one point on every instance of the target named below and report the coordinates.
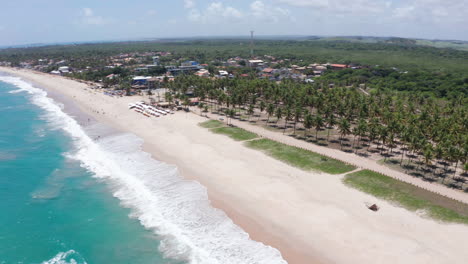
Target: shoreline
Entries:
(255, 230)
(273, 202)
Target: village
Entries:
(149, 70)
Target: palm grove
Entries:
(427, 137)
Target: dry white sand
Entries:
(309, 217)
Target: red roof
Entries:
(268, 70)
(339, 65)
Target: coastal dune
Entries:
(310, 217)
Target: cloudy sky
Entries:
(48, 21)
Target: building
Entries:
(140, 80)
(64, 69)
(189, 64)
(203, 73)
(339, 66)
(156, 60)
(223, 73)
(255, 63)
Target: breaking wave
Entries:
(177, 210)
(69, 257)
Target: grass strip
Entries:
(211, 124)
(303, 159)
(408, 196)
(235, 133)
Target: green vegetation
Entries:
(300, 158)
(408, 196)
(235, 133)
(394, 125)
(401, 54)
(460, 45)
(211, 124)
(441, 84)
(435, 71)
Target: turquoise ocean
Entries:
(72, 193)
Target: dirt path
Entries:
(350, 158)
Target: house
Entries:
(64, 69)
(203, 73)
(318, 73)
(189, 64)
(268, 70)
(112, 76)
(156, 60)
(223, 73)
(255, 63)
(194, 101)
(339, 66)
(140, 80)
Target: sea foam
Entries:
(69, 257)
(177, 210)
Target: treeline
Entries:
(407, 57)
(441, 84)
(433, 71)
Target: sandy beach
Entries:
(310, 217)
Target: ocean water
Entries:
(69, 196)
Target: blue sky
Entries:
(48, 21)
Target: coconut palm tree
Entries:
(279, 114)
(297, 116)
(428, 155)
(331, 122)
(287, 117)
(308, 122)
(262, 108)
(270, 111)
(318, 125)
(345, 129)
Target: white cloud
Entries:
(216, 12)
(89, 18)
(403, 12)
(260, 11)
(87, 12)
(341, 6)
(433, 11)
(189, 4)
(151, 12)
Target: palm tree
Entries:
(270, 111)
(250, 111)
(331, 122)
(297, 116)
(383, 134)
(308, 122)
(287, 117)
(428, 155)
(262, 108)
(279, 114)
(345, 129)
(201, 106)
(318, 125)
(362, 129)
